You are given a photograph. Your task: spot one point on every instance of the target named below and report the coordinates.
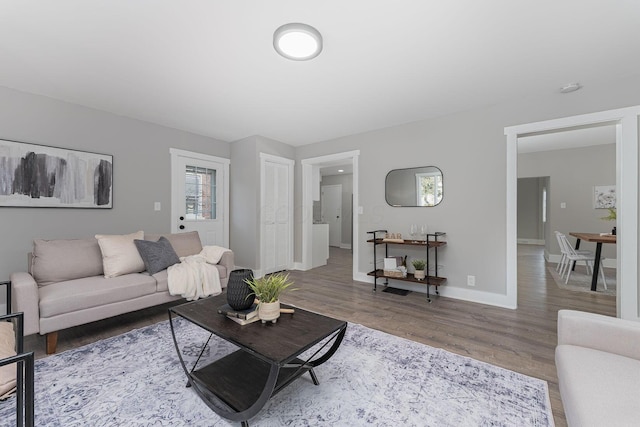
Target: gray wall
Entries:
(346, 180)
(573, 174)
(530, 225)
(141, 171)
(470, 149)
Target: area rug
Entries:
(373, 379)
(580, 280)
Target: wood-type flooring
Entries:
(521, 340)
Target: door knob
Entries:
(181, 218)
(181, 227)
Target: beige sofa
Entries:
(598, 363)
(66, 285)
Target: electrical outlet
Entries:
(471, 280)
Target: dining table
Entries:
(598, 239)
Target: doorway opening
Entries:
(324, 171)
(626, 127)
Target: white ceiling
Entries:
(209, 67)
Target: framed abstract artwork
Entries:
(41, 176)
(604, 196)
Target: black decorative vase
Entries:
(239, 294)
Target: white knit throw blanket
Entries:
(197, 276)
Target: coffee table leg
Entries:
(314, 377)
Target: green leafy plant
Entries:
(419, 264)
(612, 215)
(268, 288)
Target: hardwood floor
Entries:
(521, 340)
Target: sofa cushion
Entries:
(162, 281)
(7, 349)
(184, 244)
(598, 388)
(79, 294)
(119, 254)
(59, 260)
(157, 256)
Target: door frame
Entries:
(264, 158)
(626, 122)
(177, 153)
(308, 166)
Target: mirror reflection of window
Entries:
(428, 188)
(415, 187)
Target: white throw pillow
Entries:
(119, 254)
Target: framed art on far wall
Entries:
(604, 196)
(41, 176)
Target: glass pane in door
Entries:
(200, 193)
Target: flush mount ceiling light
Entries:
(298, 42)
(571, 87)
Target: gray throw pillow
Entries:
(156, 255)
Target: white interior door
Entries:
(331, 202)
(276, 213)
(200, 196)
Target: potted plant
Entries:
(267, 290)
(613, 216)
(419, 265)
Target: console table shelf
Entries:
(431, 242)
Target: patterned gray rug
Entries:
(580, 280)
(374, 379)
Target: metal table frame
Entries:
(280, 374)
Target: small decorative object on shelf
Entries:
(267, 290)
(393, 237)
(419, 265)
(239, 294)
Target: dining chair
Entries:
(575, 256)
(563, 257)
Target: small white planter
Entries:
(419, 274)
(269, 311)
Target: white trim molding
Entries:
(626, 122)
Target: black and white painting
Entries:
(604, 197)
(41, 176)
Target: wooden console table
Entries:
(431, 242)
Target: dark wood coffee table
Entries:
(238, 386)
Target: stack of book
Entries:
(242, 317)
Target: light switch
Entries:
(360, 210)
(156, 206)
(563, 205)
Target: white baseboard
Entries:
(345, 245)
(531, 242)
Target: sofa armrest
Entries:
(598, 332)
(24, 298)
(228, 261)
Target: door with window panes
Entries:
(200, 200)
